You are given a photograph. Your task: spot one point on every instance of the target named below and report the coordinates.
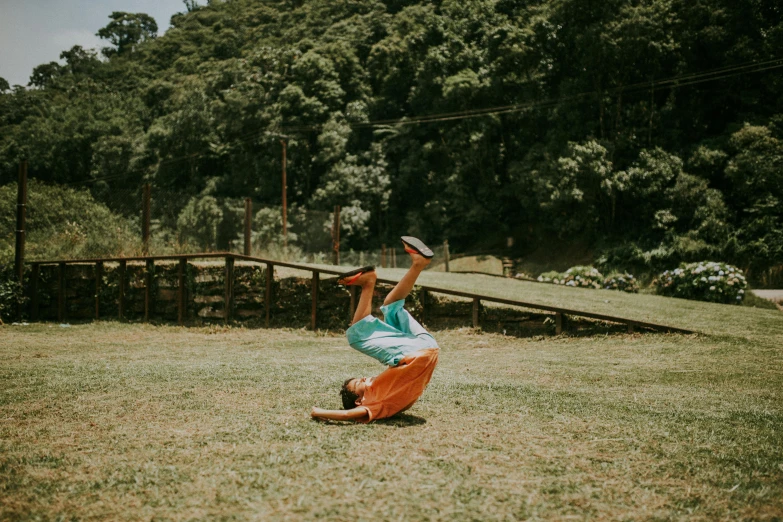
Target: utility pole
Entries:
(285, 202)
(248, 223)
(146, 218)
(336, 235)
(21, 215)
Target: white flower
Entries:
(721, 272)
(704, 279)
(712, 288)
(741, 291)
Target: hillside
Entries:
(649, 133)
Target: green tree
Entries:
(586, 144)
(126, 31)
(45, 74)
(63, 222)
(198, 222)
(756, 173)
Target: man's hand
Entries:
(340, 415)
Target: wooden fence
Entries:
(231, 258)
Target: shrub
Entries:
(11, 292)
(63, 222)
(198, 222)
(550, 277)
(624, 282)
(583, 276)
(590, 277)
(703, 281)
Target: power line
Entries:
(94, 180)
(673, 82)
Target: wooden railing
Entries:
(230, 259)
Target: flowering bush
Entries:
(621, 281)
(551, 277)
(584, 276)
(703, 281)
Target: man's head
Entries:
(352, 391)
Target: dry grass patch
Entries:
(128, 422)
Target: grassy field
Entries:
(128, 422)
(706, 318)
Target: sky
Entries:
(33, 32)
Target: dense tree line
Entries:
(648, 131)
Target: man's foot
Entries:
(359, 277)
(419, 252)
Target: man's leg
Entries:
(404, 287)
(368, 334)
(367, 283)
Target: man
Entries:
(398, 341)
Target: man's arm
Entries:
(340, 415)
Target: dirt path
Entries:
(771, 295)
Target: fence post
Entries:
(98, 283)
(446, 256)
(34, 291)
(314, 292)
(630, 328)
(150, 269)
(61, 292)
(229, 283)
(558, 323)
(248, 223)
(476, 303)
(181, 272)
(146, 217)
(383, 255)
(121, 287)
(336, 235)
(270, 268)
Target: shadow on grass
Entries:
(402, 420)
